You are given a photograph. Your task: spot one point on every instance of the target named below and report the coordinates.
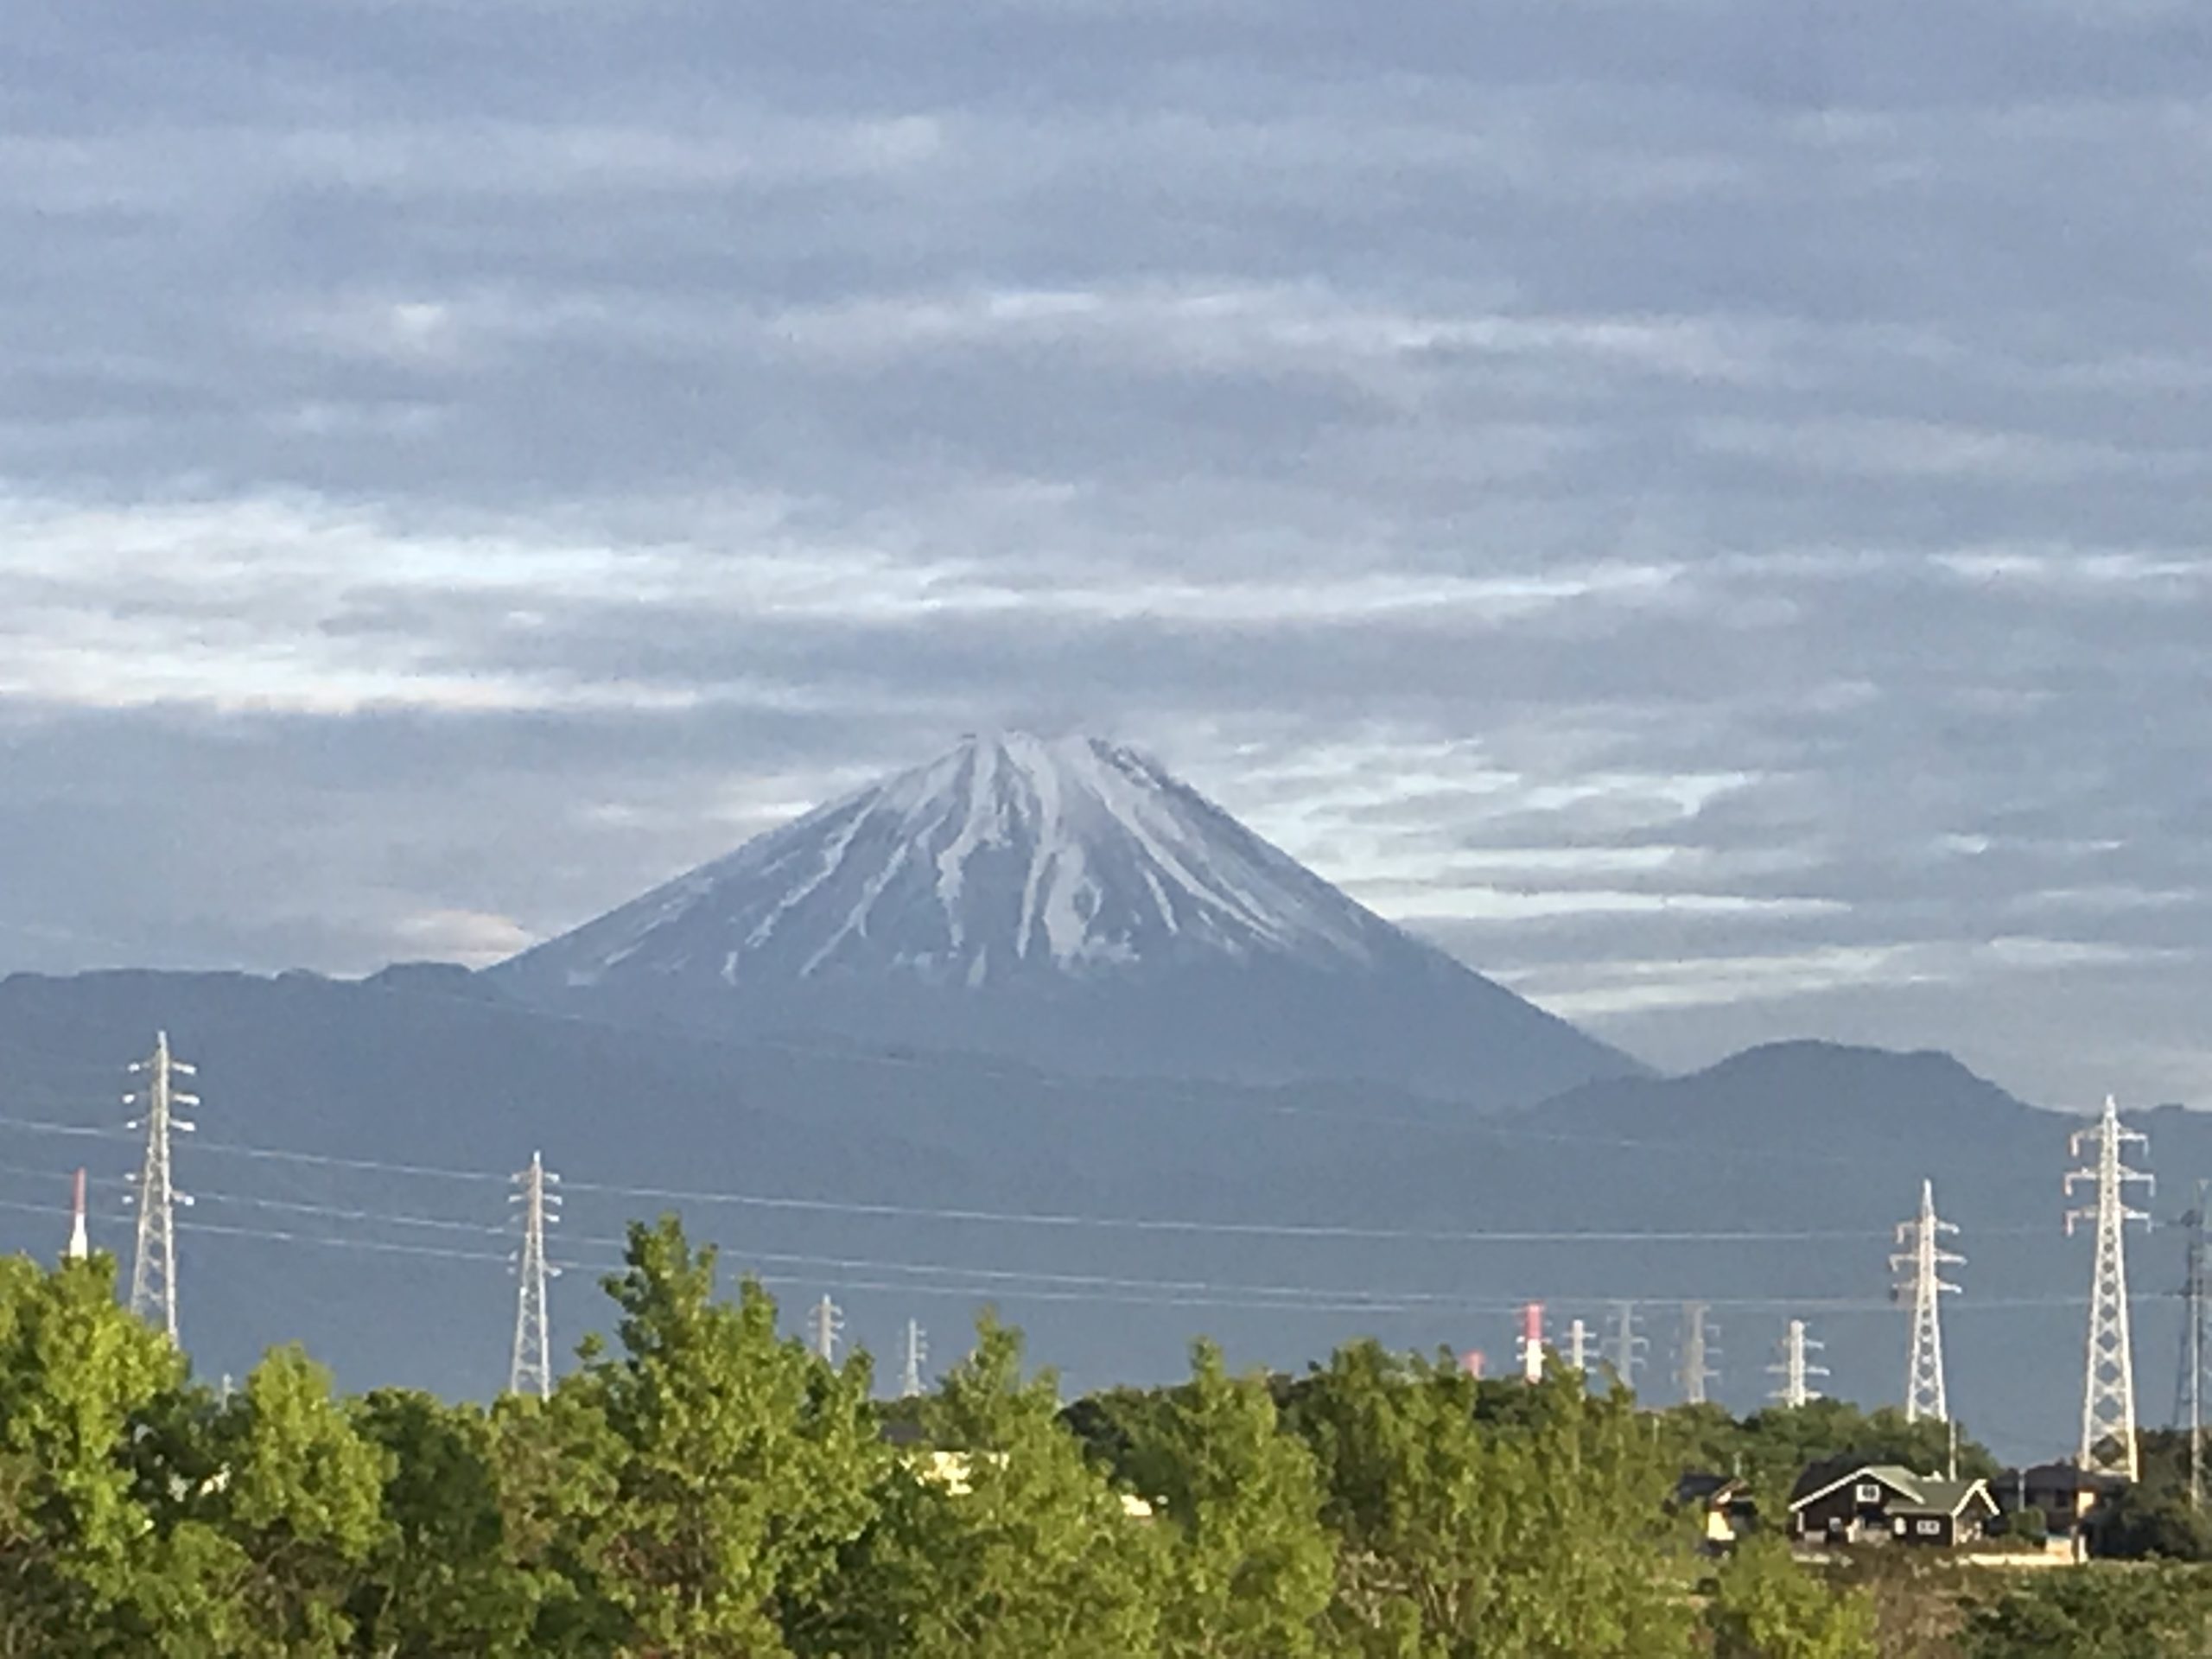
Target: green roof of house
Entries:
(1945, 1496)
(1923, 1494)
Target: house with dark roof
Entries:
(1851, 1503)
(2064, 1492)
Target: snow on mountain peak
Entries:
(1011, 855)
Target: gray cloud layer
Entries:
(1701, 506)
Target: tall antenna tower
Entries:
(1794, 1370)
(1698, 1353)
(153, 1264)
(825, 1330)
(1625, 1345)
(917, 1354)
(2188, 1384)
(1919, 1262)
(2108, 1386)
(81, 1244)
(531, 1369)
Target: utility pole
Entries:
(1578, 1345)
(1920, 1260)
(825, 1330)
(1697, 1352)
(81, 1244)
(917, 1353)
(1794, 1368)
(153, 1264)
(531, 1371)
(2188, 1394)
(1625, 1345)
(2108, 1386)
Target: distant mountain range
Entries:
(712, 1050)
(1067, 903)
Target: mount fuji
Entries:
(1068, 904)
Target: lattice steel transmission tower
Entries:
(1697, 1353)
(1796, 1369)
(917, 1354)
(1578, 1345)
(153, 1264)
(1625, 1345)
(2108, 1384)
(531, 1369)
(825, 1330)
(2195, 1341)
(1920, 1260)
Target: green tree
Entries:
(1249, 1566)
(2152, 1518)
(739, 1463)
(80, 1378)
(2161, 1613)
(1542, 1535)
(557, 1467)
(301, 1495)
(1000, 1541)
(1765, 1605)
(441, 1581)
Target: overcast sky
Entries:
(1702, 507)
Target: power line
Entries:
(1048, 1218)
(1086, 1288)
(1339, 1298)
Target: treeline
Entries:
(704, 1486)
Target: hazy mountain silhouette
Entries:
(1113, 1217)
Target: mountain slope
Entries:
(355, 1140)
(1068, 903)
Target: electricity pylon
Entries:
(531, 1371)
(1625, 1345)
(2189, 1390)
(917, 1354)
(825, 1330)
(2108, 1384)
(1578, 1345)
(1794, 1369)
(153, 1264)
(1921, 1260)
(1697, 1352)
